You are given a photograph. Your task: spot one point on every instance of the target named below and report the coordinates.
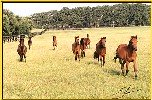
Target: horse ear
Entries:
(136, 36)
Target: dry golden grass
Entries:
(55, 74)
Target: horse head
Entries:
(102, 41)
(133, 42)
(21, 41)
(30, 38)
(54, 38)
(76, 37)
(87, 35)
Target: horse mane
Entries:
(130, 47)
(100, 43)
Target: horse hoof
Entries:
(135, 77)
(123, 74)
(127, 72)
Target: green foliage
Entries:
(15, 25)
(120, 14)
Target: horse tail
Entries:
(117, 56)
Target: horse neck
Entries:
(130, 48)
(77, 43)
(101, 45)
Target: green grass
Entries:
(55, 74)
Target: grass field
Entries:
(55, 74)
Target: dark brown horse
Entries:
(82, 47)
(101, 51)
(76, 48)
(126, 54)
(54, 42)
(30, 42)
(87, 41)
(22, 49)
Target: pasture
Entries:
(55, 74)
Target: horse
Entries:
(101, 51)
(54, 42)
(126, 54)
(76, 48)
(87, 41)
(83, 47)
(30, 42)
(22, 49)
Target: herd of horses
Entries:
(126, 53)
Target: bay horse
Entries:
(54, 42)
(30, 42)
(76, 48)
(22, 49)
(100, 52)
(126, 54)
(83, 47)
(87, 41)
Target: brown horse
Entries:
(87, 41)
(126, 54)
(83, 47)
(22, 49)
(101, 51)
(54, 42)
(76, 48)
(30, 42)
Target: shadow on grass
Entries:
(92, 62)
(113, 72)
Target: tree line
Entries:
(15, 25)
(119, 15)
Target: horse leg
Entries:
(25, 57)
(135, 69)
(79, 56)
(75, 57)
(21, 57)
(84, 53)
(115, 58)
(122, 67)
(127, 64)
(29, 47)
(103, 60)
(120, 61)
